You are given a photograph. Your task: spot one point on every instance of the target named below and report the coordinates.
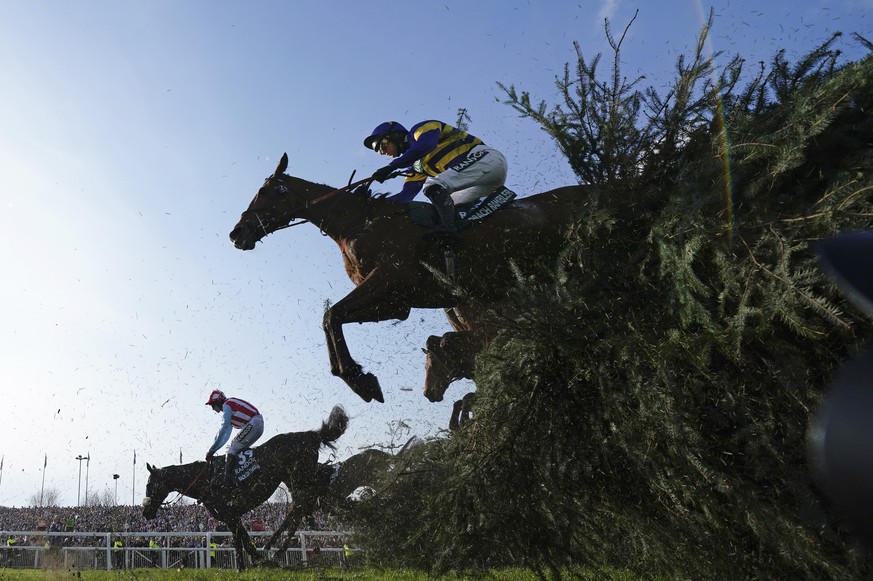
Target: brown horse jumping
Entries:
(395, 269)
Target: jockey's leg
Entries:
(477, 175)
(441, 199)
(230, 462)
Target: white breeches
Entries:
(483, 170)
(247, 435)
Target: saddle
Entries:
(424, 214)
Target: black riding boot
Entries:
(230, 462)
(447, 232)
(445, 208)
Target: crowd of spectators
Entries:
(173, 518)
(28, 536)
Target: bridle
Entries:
(281, 188)
(188, 488)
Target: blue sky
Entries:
(132, 135)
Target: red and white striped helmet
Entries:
(217, 396)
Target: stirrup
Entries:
(451, 266)
(447, 241)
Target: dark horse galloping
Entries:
(335, 483)
(290, 458)
(394, 270)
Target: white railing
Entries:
(148, 549)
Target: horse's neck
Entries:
(185, 476)
(343, 214)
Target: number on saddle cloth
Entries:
(248, 465)
(424, 214)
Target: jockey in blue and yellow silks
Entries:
(448, 164)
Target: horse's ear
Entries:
(150, 467)
(283, 165)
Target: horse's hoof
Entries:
(367, 386)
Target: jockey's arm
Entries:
(224, 431)
(421, 145)
(411, 187)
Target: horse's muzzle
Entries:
(242, 238)
(149, 509)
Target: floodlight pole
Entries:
(87, 472)
(79, 487)
(42, 487)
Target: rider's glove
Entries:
(381, 174)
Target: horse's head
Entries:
(157, 490)
(280, 200)
(263, 216)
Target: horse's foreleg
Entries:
(462, 411)
(455, 420)
(242, 544)
(449, 358)
(371, 301)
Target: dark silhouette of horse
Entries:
(290, 458)
(341, 485)
(334, 485)
(395, 267)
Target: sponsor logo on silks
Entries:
(472, 158)
(488, 205)
(247, 464)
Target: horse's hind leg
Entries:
(289, 518)
(303, 506)
(449, 358)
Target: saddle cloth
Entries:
(246, 467)
(424, 214)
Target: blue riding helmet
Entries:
(388, 129)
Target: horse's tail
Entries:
(334, 427)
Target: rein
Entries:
(313, 201)
(323, 197)
(318, 199)
(189, 487)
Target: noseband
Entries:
(275, 192)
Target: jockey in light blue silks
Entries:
(449, 165)
(236, 413)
